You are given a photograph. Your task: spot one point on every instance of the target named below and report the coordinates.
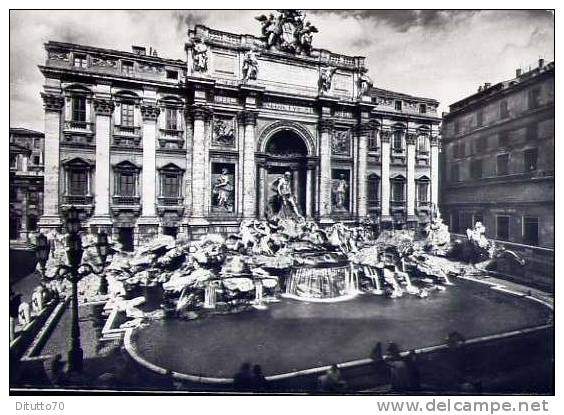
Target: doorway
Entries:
(126, 239)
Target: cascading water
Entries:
(322, 282)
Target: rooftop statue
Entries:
(289, 31)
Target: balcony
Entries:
(171, 139)
(80, 127)
(170, 204)
(423, 204)
(397, 204)
(127, 136)
(170, 201)
(125, 200)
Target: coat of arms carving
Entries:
(289, 31)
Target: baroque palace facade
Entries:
(145, 145)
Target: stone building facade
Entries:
(499, 164)
(146, 145)
(26, 183)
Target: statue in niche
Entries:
(340, 192)
(364, 83)
(223, 191)
(283, 203)
(325, 78)
(340, 142)
(250, 66)
(200, 56)
(223, 132)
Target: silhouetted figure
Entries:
(399, 372)
(413, 371)
(332, 381)
(243, 380)
(259, 382)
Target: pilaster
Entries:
(200, 113)
(247, 119)
(103, 109)
(385, 218)
(325, 178)
(53, 104)
(434, 171)
(150, 112)
(410, 139)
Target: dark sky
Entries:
(440, 54)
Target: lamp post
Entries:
(71, 273)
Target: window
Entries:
(503, 110)
(423, 191)
(126, 183)
(170, 119)
(398, 194)
(78, 105)
(503, 138)
(459, 149)
(476, 169)
(457, 127)
(502, 227)
(482, 144)
(502, 164)
(78, 182)
(373, 143)
(534, 98)
(480, 118)
(455, 173)
(373, 191)
(36, 160)
(530, 157)
(422, 108)
(422, 144)
(398, 105)
(531, 230)
(127, 114)
(37, 143)
(80, 61)
(398, 140)
(171, 75)
(13, 161)
(170, 185)
(532, 131)
(127, 68)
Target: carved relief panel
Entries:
(223, 134)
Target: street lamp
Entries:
(71, 273)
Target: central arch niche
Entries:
(286, 151)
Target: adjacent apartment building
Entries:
(26, 183)
(498, 163)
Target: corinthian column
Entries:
(434, 172)
(411, 218)
(103, 109)
(248, 120)
(150, 113)
(326, 130)
(364, 130)
(199, 114)
(53, 104)
(385, 217)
